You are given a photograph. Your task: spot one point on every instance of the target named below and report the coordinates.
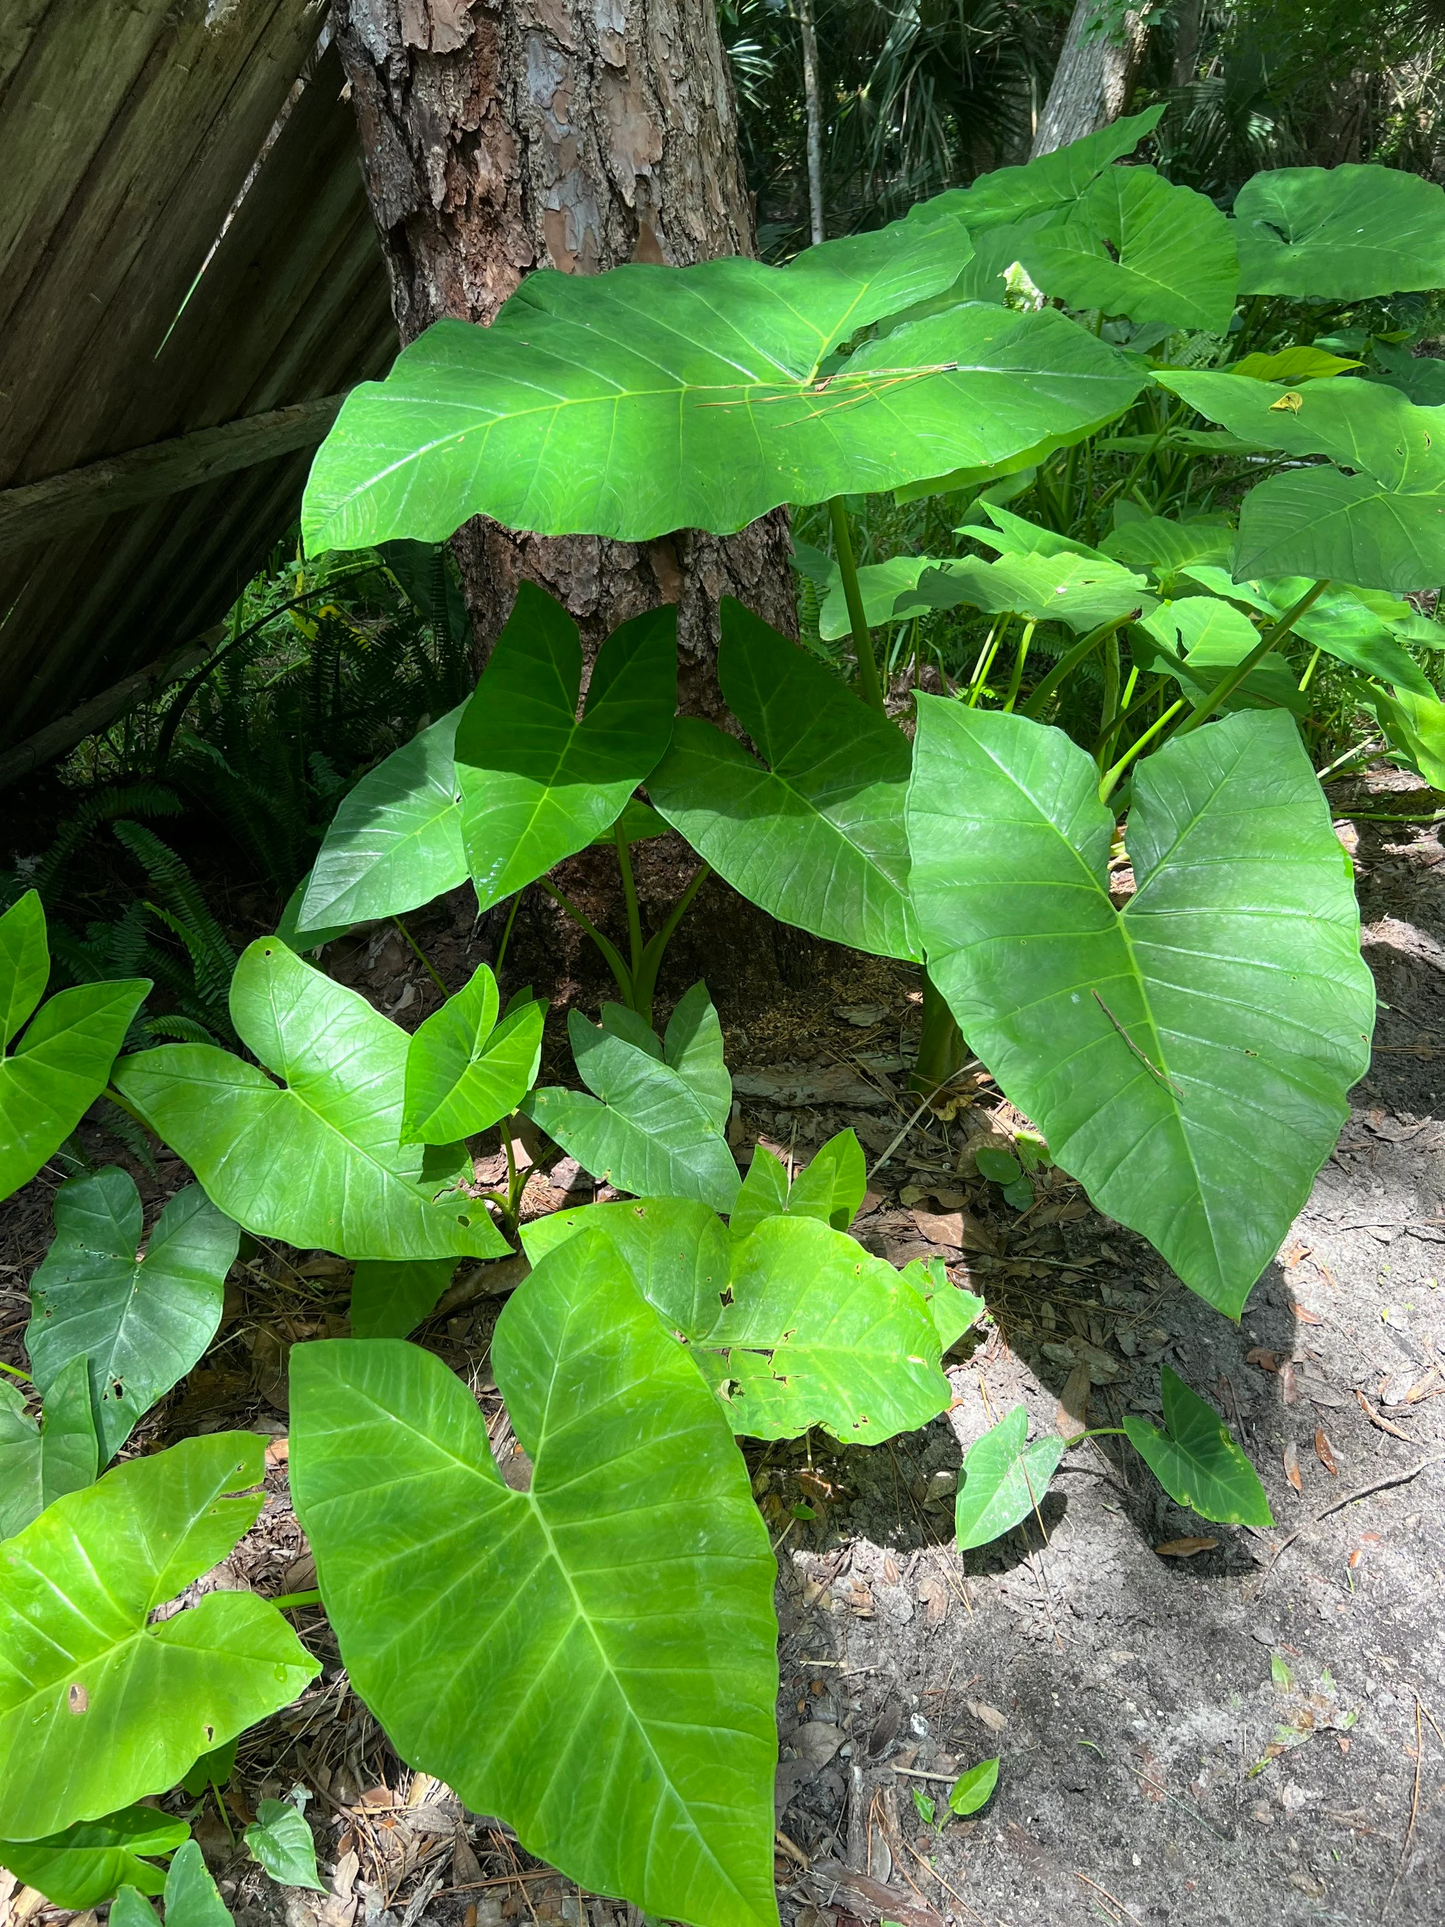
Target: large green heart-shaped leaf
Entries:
(142, 1322)
(1081, 591)
(830, 1187)
(391, 1300)
(40, 1463)
(647, 399)
(464, 1070)
(1382, 525)
(1195, 1459)
(656, 1124)
(396, 839)
(85, 1864)
(814, 833)
(1187, 1058)
(316, 1160)
(793, 1325)
(61, 1063)
(1341, 623)
(1004, 1479)
(1211, 636)
(1135, 244)
(1053, 181)
(1339, 233)
(536, 784)
(99, 1706)
(618, 1627)
(1415, 728)
(1155, 542)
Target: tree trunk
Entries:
(1188, 22)
(812, 101)
(577, 134)
(1094, 77)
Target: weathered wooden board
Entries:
(184, 243)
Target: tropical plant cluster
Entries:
(1231, 478)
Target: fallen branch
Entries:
(1379, 1485)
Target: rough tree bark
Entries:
(1095, 75)
(501, 136)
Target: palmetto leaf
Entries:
(1340, 233)
(140, 1322)
(99, 1706)
(316, 1160)
(814, 834)
(1187, 1058)
(536, 784)
(619, 1628)
(645, 399)
(60, 1065)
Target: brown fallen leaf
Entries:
(1369, 1539)
(988, 1715)
(933, 1597)
(1291, 1466)
(1383, 1423)
(890, 1569)
(956, 1228)
(1306, 1316)
(1287, 1384)
(278, 1451)
(1266, 1360)
(1323, 1453)
(1072, 1414)
(1185, 1548)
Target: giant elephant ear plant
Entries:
(1058, 335)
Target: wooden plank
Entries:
(42, 511)
(98, 713)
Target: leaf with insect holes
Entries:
(464, 1070)
(99, 1704)
(141, 1321)
(619, 1625)
(1339, 233)
(655, 1125)
(391, 1300)
(62, 1061)
(86, 1864)
(813, 833)
(537, 784)
(1004, 1479)
(830, 1187)
(395, 841)
(61, 1454)
(973, 1789)
(646, 399)
(315, 1160)
(1195, 1459)
(1186, 1058)
(192, 1897)
(281, 1840)
(794, 1325)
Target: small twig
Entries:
(1118, 1905)
(917, 1773)
(1379, 1485)
(791, 1849)
(1152, 1068)
(1414, 1811)
(877, 1164)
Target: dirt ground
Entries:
(1247, 1730)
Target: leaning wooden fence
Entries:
(189, 281)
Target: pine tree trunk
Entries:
(577, 134)
(1094, 77)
